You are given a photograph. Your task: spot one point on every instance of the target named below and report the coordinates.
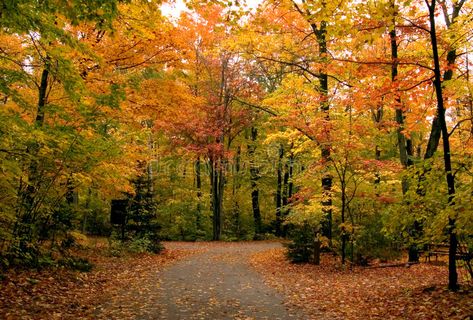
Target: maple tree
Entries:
(315, 119)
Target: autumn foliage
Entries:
(345, 126)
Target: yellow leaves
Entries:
(80, 179)
(310, 212)
(79, 238)
(346, 227)
(294, 99)
(288, 136)
(113, 179)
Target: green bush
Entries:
(370, 242)
(145, 244)
(75, 263)
(301, 249)
(138, 244)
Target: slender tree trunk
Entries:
(43, 88)
(72, 196)
(285, 196)
(215, 196)
(236, 187)
(279, 192)
(86, 211)
(343, 229)
(285, 184)
(378, 118)
(198, 185)
(377, 179)
(436, 129)
(215, 202)
(452, 270)
(254, 177)
(321, 34)
(29, 196)
(221, 187)
(291, 172)
(404, 144)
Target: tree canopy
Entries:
(346, 126)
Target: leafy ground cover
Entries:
(328, 291)
(132, 285)
(59, 293)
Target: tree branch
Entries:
(458, 125)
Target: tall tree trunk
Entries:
(452, 270)
(29, 203)
(343, 230)
(321, 34)
(43, 88)
(198, 185)
(221, 187)
(279, 192)
(285, 196)
(254, 177)
(214, 198)
(87, 209)
(377, 175)
(436, 129)
(285, 185)
(404, 144)
(217, 186)
(149, 166)
(290, 190)
(236, 187)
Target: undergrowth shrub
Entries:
(301, 248)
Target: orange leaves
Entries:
(63, 294)
(329, 291)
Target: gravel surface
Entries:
(214, 282)
(218, 283)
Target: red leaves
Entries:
(65, 294)
(328, 291)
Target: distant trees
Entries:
(317, 119)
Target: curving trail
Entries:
(214, 282)
(218, 283)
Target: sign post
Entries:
(118, 214)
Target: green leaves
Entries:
(113, 98)
(22, 16)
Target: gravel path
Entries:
(218, 283)
(214, 282)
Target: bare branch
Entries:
(458, 125)
(384, 63)
(271, 112)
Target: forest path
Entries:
(216, 282)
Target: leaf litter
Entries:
(329, 291)
(59, 293)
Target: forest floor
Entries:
(60, 293)
(249, 280)
(330, 291)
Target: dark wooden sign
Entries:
(118, 212)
